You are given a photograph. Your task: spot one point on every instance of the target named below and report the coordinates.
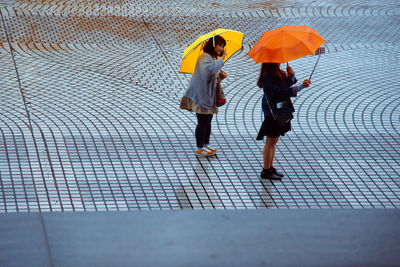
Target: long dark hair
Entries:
(210, 45)
(273, 69)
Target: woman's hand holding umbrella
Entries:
(223, 54)
(289, 70)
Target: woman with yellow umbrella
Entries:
(205, 58)
(201, 92)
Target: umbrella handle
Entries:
(314, 67)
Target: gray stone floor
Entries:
(89, 117)
(285, 237)
(89, 121)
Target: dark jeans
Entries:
(203, 129)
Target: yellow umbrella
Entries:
(192, 52)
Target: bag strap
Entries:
(270, 109)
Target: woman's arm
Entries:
(212, 67)
(279, 90)
(296, 89)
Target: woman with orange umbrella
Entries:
(277, 87)
(274, 47)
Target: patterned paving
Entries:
(89, 117)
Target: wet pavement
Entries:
(90, 118)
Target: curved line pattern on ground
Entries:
(108, 133)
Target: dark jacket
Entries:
(278, 92)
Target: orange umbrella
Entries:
(285, 44)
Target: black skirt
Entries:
(271, 128)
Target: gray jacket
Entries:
(203, 84)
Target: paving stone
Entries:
(90, 120)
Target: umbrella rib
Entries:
(192, 50)
(303, 43)
(281, 50)
(210, 38)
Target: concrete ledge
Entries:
(329, 237)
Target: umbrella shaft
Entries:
(314, 66)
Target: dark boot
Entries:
(269, 174)
(277, 173)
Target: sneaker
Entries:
(214, 150)
(204, 152)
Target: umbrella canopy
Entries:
(285, 44)
(190, 55)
